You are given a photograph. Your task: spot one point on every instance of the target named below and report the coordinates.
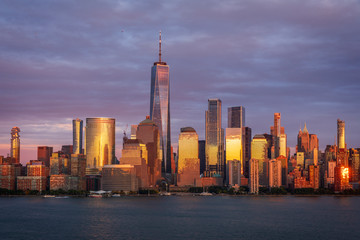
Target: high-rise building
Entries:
(236, 117)
(214, 137)
(100, 142)
(259, 150)
(44, 153)
(188, 159)
(160, 108)
(307, 143)
(354, 159)
(247, 137)
(233, 173)
(254, 176)
(148, 133)
(134, 152)
(276, 131)
(202, 156)
(275, 173)
(283, 145)
(234, 147)
(77, 136)
(15, 144)
(341, 134)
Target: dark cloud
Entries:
(63, 59)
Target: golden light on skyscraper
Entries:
(188, 146)
(234, 145)
(100, 142)
(15, 144)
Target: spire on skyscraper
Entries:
(160, 46)
(305, 129)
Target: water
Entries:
(213, 217)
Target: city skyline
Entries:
(54, 71)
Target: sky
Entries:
(61, 60)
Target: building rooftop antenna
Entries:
(160, 46)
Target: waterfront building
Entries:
(234, 149)
(341, 134)
(15, 144)
(33, 183)
(202, 156)
(254, 176)
(342, 157)
(119, 177)
(233, 173)
(330, 173)
(77, 136)
(44, 153)
(78, 169)
(100, 142)
(354, 159)
(259, 150)
(148, 133)
(60, 164)
(64, 182)
(284, 170)
(314, 176)
(247, 137)
(160, 108)
(341, 178)
(188, 158)
(8, 174)
(134, 152)
(214, 137)
(275, 173)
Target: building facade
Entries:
(160, 108)
(77, 136)
(100, 142)
(214, 137)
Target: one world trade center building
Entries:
(160, 108)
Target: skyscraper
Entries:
(214, 137)
(236, 117)
(77, 136)
(100, 142)
(44, 153)
(148, 133)
(341, 134)
(276, 131)
(188, 160)
(160, 108)
(15, 144)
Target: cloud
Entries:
(62, 60)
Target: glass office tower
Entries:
(160, 108)
(236, 117)
(100, 142)
(77, 136)
(214, 137)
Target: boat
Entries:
(116, 195)
(165, 194)
(49, 196)
(62, 197)
(95, 196)
(206, 194)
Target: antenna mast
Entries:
(160, 46)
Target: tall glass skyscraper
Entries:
(214, 135)
(77, 136)
(160, 108)
(15, 144)
(236, 117)
(100, 142)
